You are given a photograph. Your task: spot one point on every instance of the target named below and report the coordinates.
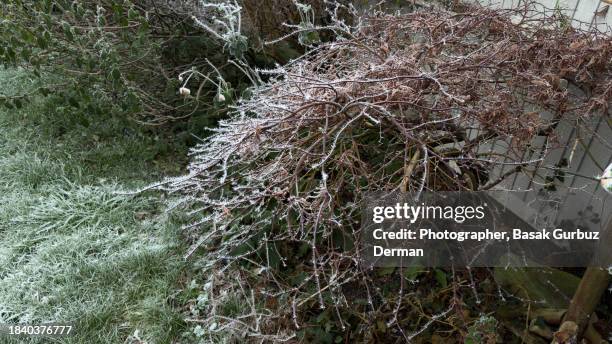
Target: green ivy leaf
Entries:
(115, 74)
(441, 278)
(132, 14)
(68, 31)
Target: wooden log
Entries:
(590, 290)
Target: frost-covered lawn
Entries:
(71, 248)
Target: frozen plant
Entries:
(223, 21)
(408, 102)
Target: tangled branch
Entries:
(412, 102)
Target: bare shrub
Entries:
(408, 101)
